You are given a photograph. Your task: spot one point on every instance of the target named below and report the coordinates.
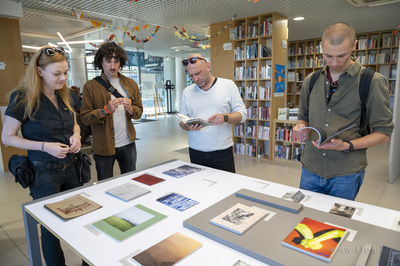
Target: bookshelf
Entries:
(256, 51)
(286, 146)
(378, 50)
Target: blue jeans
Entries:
(125, 156)
(48, 183)
(346, 187)
(221, 159)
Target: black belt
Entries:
(54, 166)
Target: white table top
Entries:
(207, 187)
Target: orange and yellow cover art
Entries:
(315, 238)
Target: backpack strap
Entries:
(314, 79)
(365, 83)
(108, 87)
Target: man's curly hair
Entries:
(108, 49)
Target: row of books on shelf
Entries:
(372, 43)
(239, 32)
(283, 151)
(308, 62)
(303, 49)
(294, 76)
(285, 134)
(251, 131)
(240, 53)
(251, 112)
(381, 58)
(249, 149)
(251, 72)
(392, 88)
(251, 93)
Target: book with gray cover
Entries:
(239, 218)
(127, 191)
(322, 137)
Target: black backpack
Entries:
(365, 83)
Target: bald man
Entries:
(218, 101)
(337, 168)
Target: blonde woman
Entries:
(42, 106)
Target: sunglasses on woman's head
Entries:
(192, 60)
(49, 51)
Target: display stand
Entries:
(169, 87)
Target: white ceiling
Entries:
(43, 18)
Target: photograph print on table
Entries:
(182, 171)
(342, 210)
(177, 201)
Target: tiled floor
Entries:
(163, 140)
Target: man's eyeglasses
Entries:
(333, 87)
(49, 51)
(192, 60)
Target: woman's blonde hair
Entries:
(31, 84)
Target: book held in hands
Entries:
(239, 218)
(169, 251)
(322, 136)
(193, 121)
(72, 207)
(316, 239)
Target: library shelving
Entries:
(378, 50)
(286, 146)
(257, 53)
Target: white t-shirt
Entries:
(222, 98)
(119, 117)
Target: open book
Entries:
(322, 137)
(193, 121)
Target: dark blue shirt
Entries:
(48, 124)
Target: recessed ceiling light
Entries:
(298, 18)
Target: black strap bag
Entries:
(83, 163)
(21, 169)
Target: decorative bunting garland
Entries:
(194, 39)
(255, 1)
(126, 30)
(397, 29)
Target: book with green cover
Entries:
(124, 224)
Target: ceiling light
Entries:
(62, 38)
(31, 47)
(298, 18)
(76, 42)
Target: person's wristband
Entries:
(351, 147)
(105, 108)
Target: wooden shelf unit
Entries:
(247, 61)
(286, 147)
(378, 50)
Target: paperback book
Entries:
(316, 239)
(182, 171)
(322, 137)
(239, 218)
(72, 207)
(177, 201)
(169, 251)
(125, 224)
(342, 210)
(389, 257)
(127, 191)
(193, 121)
(148, 179)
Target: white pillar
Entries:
(180, 80)
(78, 68)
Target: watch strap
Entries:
(351, 147)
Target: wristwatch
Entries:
(351, 147)
(226, 118)
(103, 112)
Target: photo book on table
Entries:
(316, 239)
(322, 136)
(169, 251)
(296, 197)
(126, 223)
(239, 218)
(148, 179)
(177, 201)
(127, 191)
(389, 257)
(342, 210)
(72, 207)
(182, 171)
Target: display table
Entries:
(208, 186)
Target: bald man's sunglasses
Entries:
(192, 60)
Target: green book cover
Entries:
(128, 222)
